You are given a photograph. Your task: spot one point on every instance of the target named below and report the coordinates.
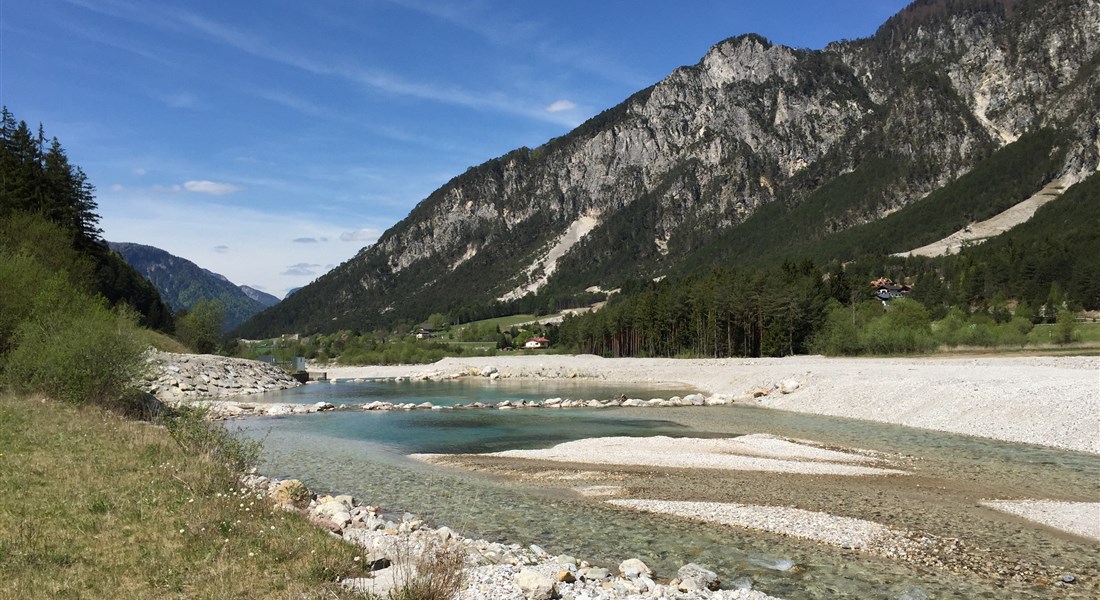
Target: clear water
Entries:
(364, 453)
(465, 391)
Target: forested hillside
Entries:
(37, 183)
(183, 284)
(1049, 267)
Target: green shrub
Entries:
(1064, 327)
(65, 344)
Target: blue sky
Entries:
(269, 141)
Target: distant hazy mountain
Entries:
(265, 299)
(182, 283)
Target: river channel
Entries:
(365, 453)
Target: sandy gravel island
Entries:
(843, 532)
(1051, 401)
(757, 452)
(1078, 518)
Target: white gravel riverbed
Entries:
(757, 452)
(843, 532)
(1078, 518)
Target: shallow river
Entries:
(364, 453)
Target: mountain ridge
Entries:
(183, 284)
(753, 124)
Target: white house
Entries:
(537, 343)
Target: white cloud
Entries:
(302, 269)
(560, 106)
(369, 235)
(216, 188)
(138, 171)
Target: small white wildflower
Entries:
(181, 531)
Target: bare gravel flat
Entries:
(755, 452)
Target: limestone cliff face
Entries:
(942, 85)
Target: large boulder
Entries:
(696, 577)
(535, 585)
(632, 568)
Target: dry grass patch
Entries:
(96, 506)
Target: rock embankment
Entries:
(177, 378)
(394, 547)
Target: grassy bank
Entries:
(96, 506)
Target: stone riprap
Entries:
(179, 374)
(176, 378)
(492, 571)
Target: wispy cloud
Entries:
(214, 188)
(309, 240)
(302, 269)
(373, 78)
(526, 36)
(368, 235)
(560, 106)
(184, 100)
(221, 249)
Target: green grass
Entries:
(95, 506)
(1083, 332)
(505, 322)
(162, 341)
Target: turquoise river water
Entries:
(365, 454)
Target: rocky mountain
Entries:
(183, 284)
(757, 152)
(265, 299)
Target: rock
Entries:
(488, 371)
(346, 500)
(444, 533)
(632, 568)
(380, 585)
(789, 385)
(565, 560)
(696, 577)
(695, 399)
(565, 576)
(595, 573)
(1069, 578)
(535, 585)
(291, 492)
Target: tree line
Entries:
(37, 182)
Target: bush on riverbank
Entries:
(96, 506)
(60, 341)
(906, 328)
